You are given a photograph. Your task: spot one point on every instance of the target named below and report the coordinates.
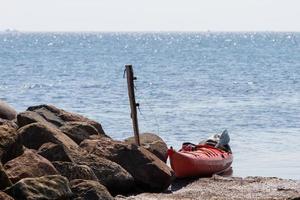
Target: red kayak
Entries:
(203, 160)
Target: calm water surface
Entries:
(189, 86)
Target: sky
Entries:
(150, 15)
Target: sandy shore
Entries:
(227, 188)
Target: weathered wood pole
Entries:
(133, 104)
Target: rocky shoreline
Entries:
(226, 188)
(49, 153)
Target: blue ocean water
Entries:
(189, 86)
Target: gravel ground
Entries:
(222, 188)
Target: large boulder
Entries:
(88, 190)
(49, 113)
(59, 117)
(29, 117)
(42, 188)
(79, 131)
(28, 165)
(149, 172)
(74, 171)
(4, 180)
(10, 143)
(36, 134)
(6, 111)
(4, 196)
(113, 176)
(55, 152)
(110, 174)
(152, 143)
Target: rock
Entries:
(59, 117)
(113, 176)
(152, 143)
(4, 196)
(4, 180)
(49, 113)
(55, 152)
(79, 131)
(149, 172)
(42, 188)
(6, 111)
(11, 123)
(29, 117)
(10, 143)
(110, 174)
(28, 165)
(36, 134)
(98, 137)
(89, 190)
(74, 171)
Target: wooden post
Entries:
(133, 104)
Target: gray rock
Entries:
(152, 143)
(110, 174)
(49, 113)
(59, 117)
(74, 171)
(89, 190)
(6, 111)
(36, 134)
(29, 117)
(149, 172)
(42, 188)
(113, 176)
(55, 152)
(79, 131)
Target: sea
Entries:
(190, 85)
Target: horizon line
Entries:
(147, 31)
